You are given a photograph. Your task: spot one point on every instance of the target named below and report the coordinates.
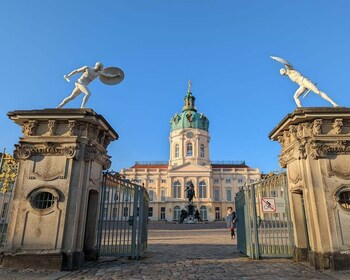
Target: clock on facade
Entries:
(189, 134)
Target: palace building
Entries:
(216, 183)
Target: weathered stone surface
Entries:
(61, 156)
(316, 152)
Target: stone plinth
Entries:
(316, 152)
(53, 217)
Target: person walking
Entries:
(231, 221)
(233, 224)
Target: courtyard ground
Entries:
(197, 251)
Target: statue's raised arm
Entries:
(82, 69)
(305, 85)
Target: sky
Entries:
(222, 46)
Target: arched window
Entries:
(203, 212)
(202, 189)
(202, 151)
(176, 213)
(177, 150)
(189, 150)
(176, 189)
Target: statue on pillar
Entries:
(305, 85)
(108, 76)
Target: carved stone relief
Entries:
(51, 127)
(317, 127)
(48, 148)
(336, 127)
(29, 128)
(48, 168)
(320, 149)
(71, 127)
(339, 168)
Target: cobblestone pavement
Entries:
(199, 251)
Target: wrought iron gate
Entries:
(264, 227)
(122, 224)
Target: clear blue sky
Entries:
(222, 46)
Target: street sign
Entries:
(273, 205)
(268, 205)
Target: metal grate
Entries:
(43, 200)
(122, 224)
(264, 225)
(344, 199)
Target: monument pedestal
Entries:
(316, 152)
(53, 216)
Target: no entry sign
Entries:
(268, 204)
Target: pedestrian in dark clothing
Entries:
(231, 221)
(233, 224)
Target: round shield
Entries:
(115, 74)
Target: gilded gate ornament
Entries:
(8, 172)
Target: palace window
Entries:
(216, 181)
(126, 212)
(151, 181)
(163, 181)
(115, 212)
(162, 213)
(202, 151)
(177, 153)
(203, 212)
(228, 195)
(228, 181)
(162, 195)
(176, 189)
(202, 189)
(151, 195)
(176, 213)
(216, 195)
(150, 211)
(240, 181)
(217, 213)
(107, 195)
(189, 150)
(105, 213)
(115, 196)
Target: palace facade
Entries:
(216, 183)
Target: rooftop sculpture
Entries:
(305, 85)
(108, 76)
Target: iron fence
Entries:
(264, 224)
(123, 218)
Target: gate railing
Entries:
(264, 224)
(122, 224)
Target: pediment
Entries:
(190, 167)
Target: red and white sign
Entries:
(268, 204)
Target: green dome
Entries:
(189, 118)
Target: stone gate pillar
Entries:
(53, 217)
(316, 152)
